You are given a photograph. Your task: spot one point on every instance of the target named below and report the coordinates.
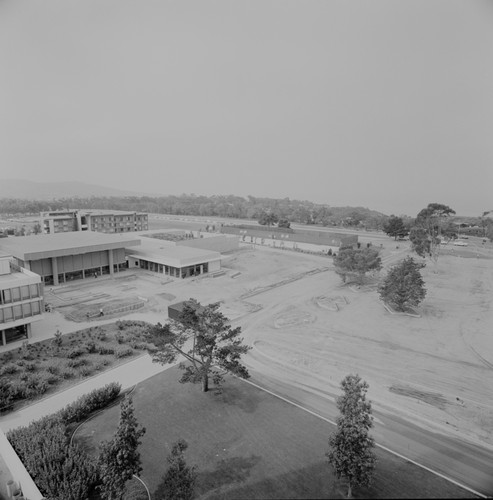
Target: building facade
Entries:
(62, 221)
(63, 257)
(21, 300)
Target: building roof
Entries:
(42, 246)
(161, 252)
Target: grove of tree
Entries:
(205, 338)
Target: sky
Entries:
(381, 104)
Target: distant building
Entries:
(62, 257)
(21, 300)
(101, 221)
(291, 238)
(177, 261)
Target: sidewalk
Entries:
(128, 375)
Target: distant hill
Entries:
(30, 190)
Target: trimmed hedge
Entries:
(61, 470)
(86, 404)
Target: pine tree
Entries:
(119, 459)
(179, 480)
(403, 287)
(351, 447)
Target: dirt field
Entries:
(309, 331)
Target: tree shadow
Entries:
(228, 471)
(234, 395)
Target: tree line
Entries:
(303, 212)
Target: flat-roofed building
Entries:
(101, 221)
(176, 261)
(21, 300)
(62, 257)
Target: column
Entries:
(110, 261)
(28, 330)
(4, 340)
(54, 269)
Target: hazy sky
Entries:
(383, 104)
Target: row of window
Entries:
(26, 310)
(19, 293)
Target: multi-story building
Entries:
(21, 300)
(61, 221)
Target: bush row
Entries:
(61, 470)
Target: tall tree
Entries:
(403, 287)
(119, 458)
(214, 343)
(395, 227)
(179, 480)
(267, 218)
(284, 223)
(350, 446)
(357, 262)
(433, 227)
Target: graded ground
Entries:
(248, 444)
(308, 331)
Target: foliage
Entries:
(214, 343)
(119, 459)
(357, 262)
(350, 447)
(403, 287)
(395, 227)
(284, 223)
(267, 219)
(6, 398)
(86, 404)
(60, 470)
(433, 227)
(179, 480)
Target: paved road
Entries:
(467, 463)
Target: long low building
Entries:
(176, 261)
(62, 257)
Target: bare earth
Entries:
(308, 330)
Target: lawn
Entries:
(248, 444)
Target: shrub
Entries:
(61, 470)
(85, 371)
(77, 363)
(119, 338)
(105, 350)
(53, 369)
(57, 339)
(30, 367)
(6, 398)
(6, 357)
(90, 347)
(123, 352)
(95, 400)
(51, 379)
(9, 369)
(68, 374)
(75, 353)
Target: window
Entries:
(18, 312)
(25, 292)
(16, 294)
(34, 290)
(35, 307)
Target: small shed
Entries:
(174, 310)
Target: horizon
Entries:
(381, 105)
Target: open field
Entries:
(430, 377)
(249, 444)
